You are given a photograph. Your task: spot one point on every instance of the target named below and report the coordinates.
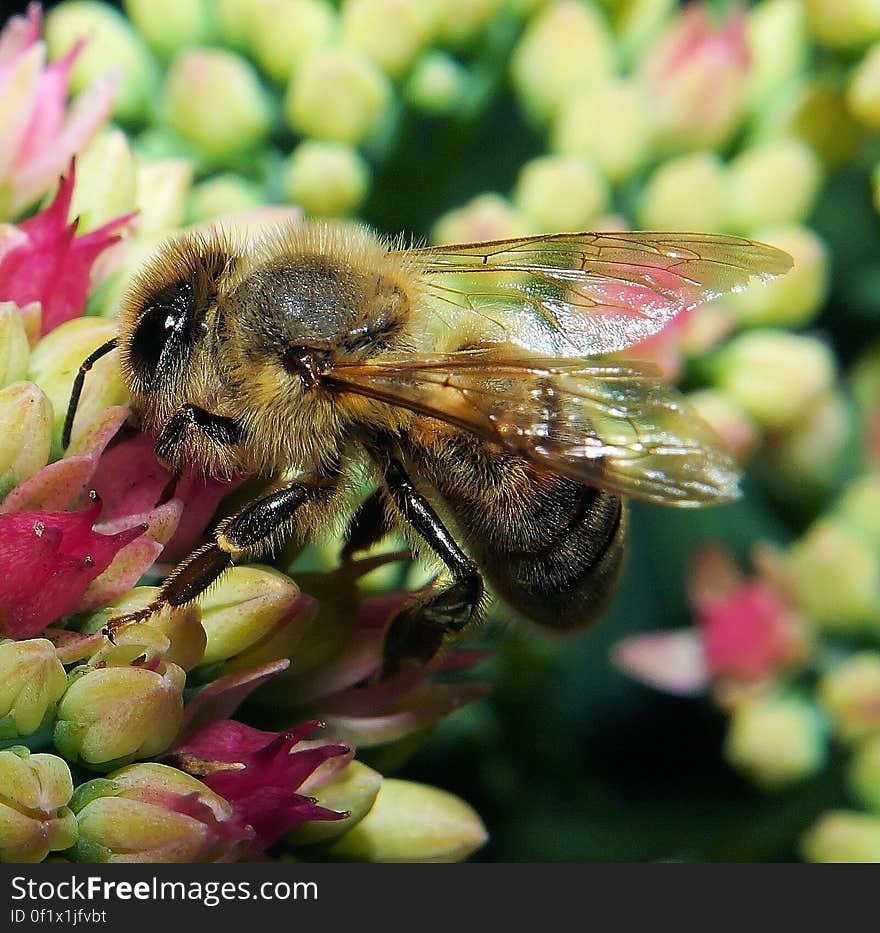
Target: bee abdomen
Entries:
(549, 546)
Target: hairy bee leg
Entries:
(419, 631)
(252, 528)
(367, 526)
(78, 383)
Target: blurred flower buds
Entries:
(283, 33)
(843, 836)
(34, 815)
(561, 192)
(325, 178)
(850, 692)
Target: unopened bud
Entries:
(608, 123)
(222, 194)
(14, 345)
(850, 692)
(412, 822)
(283, 33)
(34, 817)
(162, 189)
(566, 47)
(213, 98)
(111, 715)
(111, 44)
(775, 740)
(391, 32)
(25, 433)
(561, 192)
(32, 679)
(843, 836)
(338, 93)
(775, 375)
(776, 36)
(106, 181)
(864, 773)
(690, 192)
(844, 23)
(169, 25)
(488, 216)
(325, 178)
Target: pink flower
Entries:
(40, 132)
(49, 560)
(262, 774)
(135, 491)
(695, 75)
(44, 260)
(746, 633)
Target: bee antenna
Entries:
(76, 391)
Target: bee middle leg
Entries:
(249, 531)
(419, 631)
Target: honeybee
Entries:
(463, 379)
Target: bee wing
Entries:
(583, 294)
(616, 427)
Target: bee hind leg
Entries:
(420, 630)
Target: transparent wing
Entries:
(617, 427)
(583, 294)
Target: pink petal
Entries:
(672, 662)
(20, 32)
(220, 698)
(19, 88)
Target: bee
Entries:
(470, 383)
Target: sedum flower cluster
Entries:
(247, 723)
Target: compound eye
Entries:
(162, 328)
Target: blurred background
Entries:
(751, 731)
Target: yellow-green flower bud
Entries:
(251, 616)
(34, 817)
(864, 773)
(850, 692)
(326, 178)
(859, 507)
(775, 740)
(488, 216)
(809, 452)
(843, 836)
(56, 359)
(636, 22)
(836, 576)
(391, 32)
(32, 679)
(111, 715)
(14, 345)
(222, 194)
(25, 433)
(608, 123)
(112, 44)
(776, 36)
(566, 47)
(690, 192)
(438, 83)
(169, 25)
(213, 99)
(412, 822)
(162, 189)
(152, 813)
(795, 298)
(774, 183)
(234, 21)
(337, 93)
(459, 22)
(730, 421)
(106, 180)
(561, 193)
(352, 791)
(775, 375)
(283, 33)
(844, 23)
(863, 94)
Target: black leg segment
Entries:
(418, 632)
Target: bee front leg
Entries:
(253, 529)
(419, 631)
